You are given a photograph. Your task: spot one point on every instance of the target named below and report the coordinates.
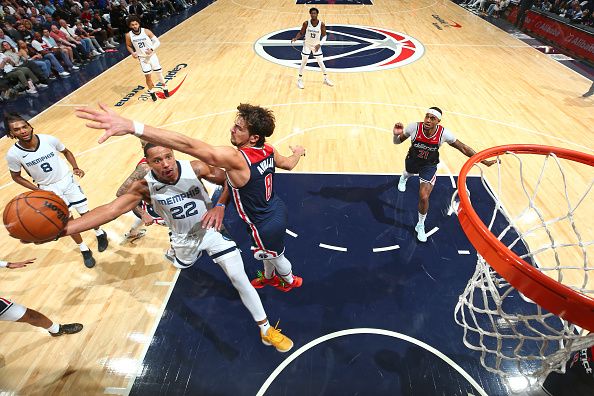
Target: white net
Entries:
(541, 209)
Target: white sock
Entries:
(83, 247)
(54, 328)
(264, 327)
(233, 267)
(304, 59)
(283, 268)
(162, 79)
(99, 232)
(422, 218)
(268, 269)
(406, 175)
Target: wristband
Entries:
(3, 264)
(138, 128)
(221, 204)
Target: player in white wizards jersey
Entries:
(14, 312)
(314, 33)
(40, 156)
(175, 190)
(142, 43)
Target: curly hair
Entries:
(259, 121)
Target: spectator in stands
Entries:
(496, 8)
(84, 35)
(65, 49)
(99, 23)
(4, 37)
(19, 61)
(525, 5)
(574, 13)
(587, 19)
(86, 43)
(117, 17)
(75, 49)
(23, 33)
(48, 7)
(138, 8)
(30, 54)
(87, 13)
(25, 77)
(50, 52)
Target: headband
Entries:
(434, 112)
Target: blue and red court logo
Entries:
(349, 48)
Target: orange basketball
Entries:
(36, 216)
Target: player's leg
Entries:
(319, 57)
(145, 65)
(224, 252)
(156, 66)
(427, 181)
(13, 312)
(78, 200)
(409, 170)
(304, 57)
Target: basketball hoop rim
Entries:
(555, 297)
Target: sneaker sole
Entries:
(280, 350)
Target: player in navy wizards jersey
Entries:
(423, 157)
(250, 173)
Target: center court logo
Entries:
(349, 48)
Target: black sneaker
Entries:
(153, 96)
(88, 258)
(166, 92)
(69, 328)
(102, 241)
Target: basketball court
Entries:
(375, 314)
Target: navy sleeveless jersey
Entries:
(256, 201)
(424, 150)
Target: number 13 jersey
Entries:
(181, 204)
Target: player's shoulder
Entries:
(257, 154)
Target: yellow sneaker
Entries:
(273, 337)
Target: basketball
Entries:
(36, 216)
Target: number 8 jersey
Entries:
(256, 201)
(44, 163)
(181, 204)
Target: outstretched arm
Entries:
(301, 33)
(469, 152)
(17, 178)
(115, 125)
(288, 163)
(399, 133)
(108, 212)
(214, 216)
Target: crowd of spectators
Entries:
(42, 40)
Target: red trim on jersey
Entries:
(142, 161)
(246, 219)
(257, 154)
(6, 301)
(421, 137)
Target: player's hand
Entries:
(317, 47)
(148, 52)
(398, 129)
(489, 162)
(134, 55)
(294, 39)
(147, 219)
(20, 264)
(298, 150)
(78, 172)
(213, 218)
(105, 118)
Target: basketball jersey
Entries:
(141, 42)
(256, 200)
(44, 163)
(425, 150)
(313, 34)
(183, 203)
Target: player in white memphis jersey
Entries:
(142, 43)
(39, 156)
(14, 312)
(314, 32)
(175, 190)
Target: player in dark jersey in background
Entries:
(250, 172)
(423, 157)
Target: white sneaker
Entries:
(75, 67)
(64, 74)
(328, 82)
(40, 85)
(402, 184)
(31, 91)
(170, 254)
(420, 229)
(300, 84)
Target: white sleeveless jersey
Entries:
(313, 34)
(141, 42)
(44, 164)
(183, 204)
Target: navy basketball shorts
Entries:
(268, 236)
(427, 173)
